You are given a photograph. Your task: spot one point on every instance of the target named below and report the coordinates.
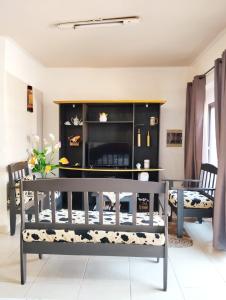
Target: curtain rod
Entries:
(208, 71)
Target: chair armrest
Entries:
(194, 189)
(185, 180)
(172, 181)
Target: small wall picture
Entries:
(174, 138)
(30, 98)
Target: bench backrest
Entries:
(208, 178)
(100, 185)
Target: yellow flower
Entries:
(32, 160)
(64, 161)
(47, 168)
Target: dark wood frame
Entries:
(85, 185)
(206, 186)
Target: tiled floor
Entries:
(196, 272)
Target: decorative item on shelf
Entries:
(174, 138)
(148, 139)
(138, 165)
(147, 164)
(138, 138)
(153, 121)
(67, 123)
(77, 164)
(142, 204)
(103, 117)
(143, 176)
(42, 158)
(74, 140)
(76, 121)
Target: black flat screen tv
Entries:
(109, 155)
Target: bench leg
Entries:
(180, 213)
(23, 264)
(29, 217)
(12, 213)
(165, 270)
(40, 256)
(200, 220)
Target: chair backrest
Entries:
(98, 185)
(17, 171)
(208, 178)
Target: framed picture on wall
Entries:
(174, 138)
(30, 98)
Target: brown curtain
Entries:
(219, 230)
(194, 126)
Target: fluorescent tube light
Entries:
(98, 23)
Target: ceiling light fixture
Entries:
(98, 23)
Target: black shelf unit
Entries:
(123, 122)
(122, 126)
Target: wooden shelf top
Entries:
(118, 101)
(110, 170)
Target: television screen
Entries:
(109, 154)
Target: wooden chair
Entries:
(195, 200)
(17, 172)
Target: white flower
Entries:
(36, 138)
(57, 146)
(30, 166)
(45, 142)
(52, 137)
(48, 149)
(29, 151)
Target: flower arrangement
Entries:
(42, 159)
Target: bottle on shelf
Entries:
(148, 139)
(138, 138)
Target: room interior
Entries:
(126, 99)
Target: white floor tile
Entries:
(107, 268)
(207, 293)
(97, 289)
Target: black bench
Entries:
(85, 232)
(195, 198)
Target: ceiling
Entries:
(171, 33)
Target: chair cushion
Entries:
(28, 195)
(192, 199)
(96, 236)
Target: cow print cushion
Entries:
(96, 236)
(192, 199)
(28, 195)
(78, 217)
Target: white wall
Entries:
(17, 70)
(22, 65)
(125, 83)
(206, 58)
(3, 133)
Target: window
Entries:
(212, 149)
(209, 154)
